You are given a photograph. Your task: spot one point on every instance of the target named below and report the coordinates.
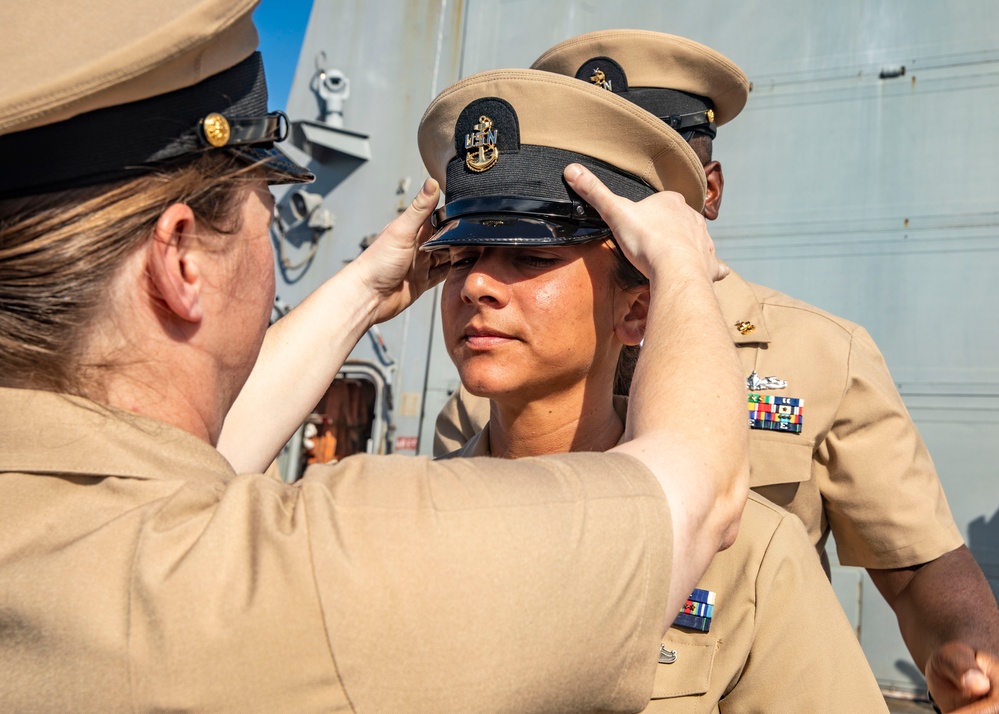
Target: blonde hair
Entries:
(59, 252)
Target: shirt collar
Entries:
(46, 432)
(741, 310)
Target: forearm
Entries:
(945, 600)
(299, 359)
(688, 423)
(688, 360)
(304, 350)
(686, 415)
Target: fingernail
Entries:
(975, 678)
(573, 172)
(429, 187)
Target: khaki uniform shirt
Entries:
(778, 641)
(859, 467)
(139, 573)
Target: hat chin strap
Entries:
(218, 131)
(694, 120)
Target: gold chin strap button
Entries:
(216, 129)
(745, 327)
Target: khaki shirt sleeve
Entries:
(884, 501)
(487, 584)
(805, 657)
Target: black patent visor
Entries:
(514, 221)
(253, 138)
(277, 166)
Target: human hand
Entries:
(658, 232)
(393, 268)
(961, 680)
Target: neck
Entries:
(579, 420)
(183, 395)
(160, 368)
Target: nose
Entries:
(486, 281)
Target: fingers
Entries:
(413, 221)
(975, 683)
(957, 676)
(593, 191)
(953, 661)
(661, 235)
(426, 200)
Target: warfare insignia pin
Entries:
(216, 129)
(754, 382)
(482, 142)
(776, 413)
(666, 656)
(697, 612)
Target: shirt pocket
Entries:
(690, 673)
(775, 458)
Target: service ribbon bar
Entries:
(697, 611)
(776, 413)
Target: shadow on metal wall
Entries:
(983, 542)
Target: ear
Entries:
(173, 266)
(630, 327)
(716, 184)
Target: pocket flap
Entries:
(775, 459)
(690, 672)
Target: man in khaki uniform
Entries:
(138, 572)
(847, 458)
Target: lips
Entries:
(485, 337)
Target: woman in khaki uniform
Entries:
(537, 323)
(139, 572)
(854, 465)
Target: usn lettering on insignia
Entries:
(482, 143)
(776, 413)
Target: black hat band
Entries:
(128, 140)
(523, 200)
(536, 172)
(683, 111)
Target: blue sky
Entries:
(281, 26)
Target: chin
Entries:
(488, 383)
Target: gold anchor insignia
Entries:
(483, 144)
(600, 79)
(745, 327)
(216, 129)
